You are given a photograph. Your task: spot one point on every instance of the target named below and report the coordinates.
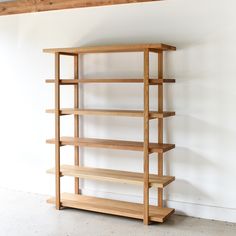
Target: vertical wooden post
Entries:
(76, 118)
(160, 124)
(146, 138)
(57, 129)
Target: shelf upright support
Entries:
(76, 118)
(146, 138)
(57, 130)
(160, 124)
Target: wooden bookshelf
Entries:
(144, 179)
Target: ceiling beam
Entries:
(26, 6)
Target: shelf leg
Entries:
(57, 130)
(160, 125)
(76, 118)
(146, 138)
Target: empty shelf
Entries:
(83, 81)
(113, 144)
(113, 48)
(64, 81)
(129, 113)
(117, 176)
(113, 207)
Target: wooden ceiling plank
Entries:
(28, 6)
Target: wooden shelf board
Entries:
(63, 81)
(113, 144)
(113, 48)
(117, 176)
(113, 207)
(115, 80)
(110, 112)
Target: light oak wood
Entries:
(113, 144)
(113, 207)
(146, 139)
(26, 6)
(57, 129)
(110, 112)
(160, 125)
(110, 81)
(76, 118)
(63, 81)
(141, 211)
(116, 176)
(113, 48)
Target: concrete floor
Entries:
(26, 214)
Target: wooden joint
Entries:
(58, 53)
(69, 54)
(153, 50)
(59, 143)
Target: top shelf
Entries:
(155, 47)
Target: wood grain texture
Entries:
(113, 144)
(146, 139)
(116, 176)
(141, 211)
(110, 112)
(76, 118)
(26, 6)
(113, 207)
(110, 81)
(160, 125)
(113, 48)
(57, 130)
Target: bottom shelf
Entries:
(113, 207)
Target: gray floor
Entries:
(25, 214)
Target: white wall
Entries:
(204, 129)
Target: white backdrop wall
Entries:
(204, 129)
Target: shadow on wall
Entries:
(186, 164)
(201, 127)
